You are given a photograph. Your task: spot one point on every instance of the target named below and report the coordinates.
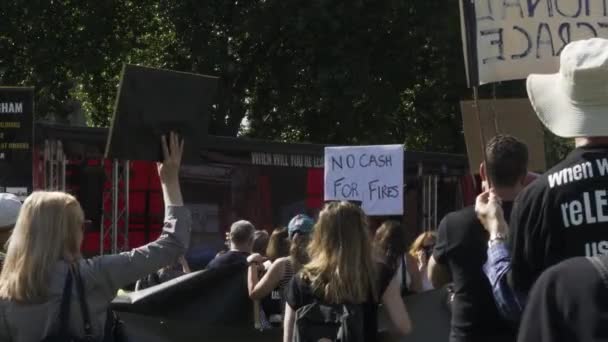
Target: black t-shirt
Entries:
(562, 214)
(299, 294)
(227, 259)
(462, 245)
(569, 302)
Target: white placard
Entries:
(372, 175)
(515, 38)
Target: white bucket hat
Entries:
(9, 210)
(574, 102)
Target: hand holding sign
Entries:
(372, 175)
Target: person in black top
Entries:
(241, 245)
(460, 251)
(569, 302)
(564, 213)
(342, 270)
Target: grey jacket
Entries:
(103, 276)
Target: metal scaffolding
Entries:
(429, 202)
(115, 222)
(54, 166)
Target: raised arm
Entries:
(260, 288)
(509, 302)
(115, 271)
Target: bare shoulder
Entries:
(281, 262)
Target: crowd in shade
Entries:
(526, 263)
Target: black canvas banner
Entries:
(16, 140)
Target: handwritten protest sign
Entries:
(372, 175)
(510, 39)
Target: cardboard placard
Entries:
(515, 117)
(510, 39)
(372, 175)
(151, 102)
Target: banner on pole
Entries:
(510, 39)
(372, 175)
(16, 140)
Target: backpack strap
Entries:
(601, 265)
(64, 309)
(404, 289)
(84, 309)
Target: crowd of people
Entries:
(527, 262)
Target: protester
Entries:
(569, 301)
(260, 242)
(422, 249)
(342, 272)
(462, 243)
(390, 243)
(43, 255)
(562, 213)
(241, 246)
(9, 210)
(282, 270)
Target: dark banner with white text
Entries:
(16, 140)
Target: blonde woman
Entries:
(45, 245)
(422, 249)
(342, 270)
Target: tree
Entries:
(359, 71)
(69, 48)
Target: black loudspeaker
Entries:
(92, 179)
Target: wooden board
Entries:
(152, 102)
(515, 117)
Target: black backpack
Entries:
(335, 322)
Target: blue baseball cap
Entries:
(300, 224)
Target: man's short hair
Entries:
(507, 160)
(241, 232)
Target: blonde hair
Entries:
(419, 242)
(342, 268)
(48, 229)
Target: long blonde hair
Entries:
(49, 229)
(419, 242)
(342, 268)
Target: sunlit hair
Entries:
(278, 245)
(390, 242)
(342, 268)
(419, 242)
(49, 229)
(298, 251)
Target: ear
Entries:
(482, 172)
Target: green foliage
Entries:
(327, 71)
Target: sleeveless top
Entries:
(274, 305)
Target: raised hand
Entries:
(489, 212)
(168, 170)
(173, 149)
